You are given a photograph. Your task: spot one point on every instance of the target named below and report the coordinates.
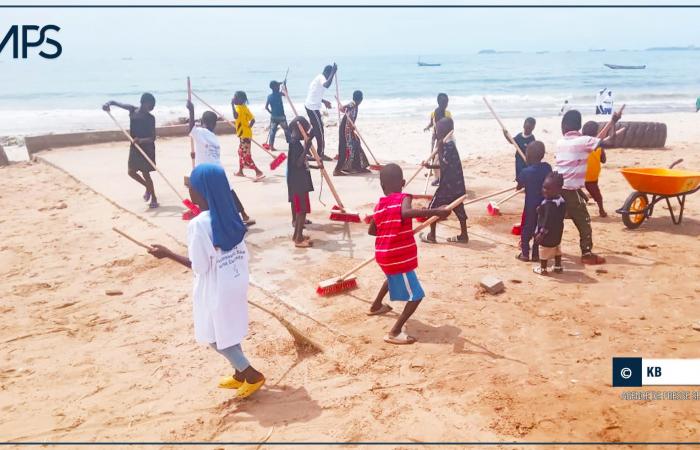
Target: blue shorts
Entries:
(405, 287)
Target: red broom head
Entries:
(492, 209)
(515, 230)
(192, 210)
(277, 161)
(266, 146)
(376, 167)
(345, 217)
(335, 286)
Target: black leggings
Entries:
(317, 130)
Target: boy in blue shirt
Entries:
(531, 179)
(277, 118)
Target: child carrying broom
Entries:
(451, 182)
(244, 130)
(299, 182)
(218, 257)
(396, 251)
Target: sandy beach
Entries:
(530, 364)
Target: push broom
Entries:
(192, 209)
(338, 213)
(299, 338)
(276, 160)
(493, 208)
(348, 281)
(376, 165)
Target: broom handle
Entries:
(337, 95)
(432, 155)
(150, 161)
(189, 100)
(232, 123)
(503, 127)
(139, 243)
(509, 196)
(427, 223)
(324, 173)
(354, 128)
(607, 126)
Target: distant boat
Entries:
(425, 64)
(616, 66)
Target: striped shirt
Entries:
(394, 246)
(572, 158)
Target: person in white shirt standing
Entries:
(208, 151)
(607, 106)
(599, 101)
(314, 100)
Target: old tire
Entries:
(640, 134)
(633, 214)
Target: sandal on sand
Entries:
(259, 178)
(303, 244)
(249, 222)
(539, 270)
(153, 205)
(592, 259)
(457, 240)
(228, 382)
(248, 389)
(382, 310)
(424, 238)
(400, 339)
(521, 257)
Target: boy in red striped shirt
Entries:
(396, 251)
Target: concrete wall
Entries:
(38, 143)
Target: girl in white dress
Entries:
(219, 259)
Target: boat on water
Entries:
(617, 66)
(425, 64)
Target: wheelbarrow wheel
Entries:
(634, 210)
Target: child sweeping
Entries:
(276, 109)
(451, 182)
(208, 150)
(218, 257)
(550, 223)
(244, 130)
(299, 182)
(523, 140)
(595, 159)
(143, 131)
(396, 251)
(439, 113)
(351, 157)
(531, 179)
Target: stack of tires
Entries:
(640, 134)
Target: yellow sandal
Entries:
(248, 389)
(228, 382)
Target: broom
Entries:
(276, 160)
(299, 338)
(193, 209)
(376, 165)
(338, 213)
(493, 208)
(348, 281)
(432, 155)
(505, 130)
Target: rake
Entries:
(276, 160)
(348, 281)
(338, 212)
(192, 209)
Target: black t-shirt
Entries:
(522, 142)
(298, 173)
(550, 219)
(142, 125)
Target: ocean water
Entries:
(65, 95)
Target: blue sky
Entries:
(349, 32)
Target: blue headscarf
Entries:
(226, 224)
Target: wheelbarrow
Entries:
(659, 184)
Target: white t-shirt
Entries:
(220, 291)
(315, 93)
(206, 146)
(608, 101)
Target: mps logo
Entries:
(31, 36)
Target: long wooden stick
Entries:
(324, 173)
(143, 153)
(427, 223)
(232, 123)
(432, 155)
(505, 130)
(139, 243)
(189, 100)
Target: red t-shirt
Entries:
(394, 246)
